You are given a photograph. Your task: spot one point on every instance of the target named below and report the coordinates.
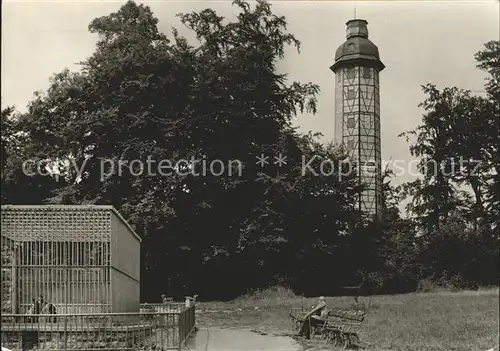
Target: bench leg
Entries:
(337, 338)
(344, 341)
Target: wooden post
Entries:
(13, 283)
(66, 330)
(180, 329)
(66, 298)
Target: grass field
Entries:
(445, 321)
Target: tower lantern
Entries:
(357, 111)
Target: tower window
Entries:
(350, 144)
(350, 73)
(366, 73)
(351, 122)
(351, 94)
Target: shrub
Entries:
(275, 293)
(372, 282)
(427, 285)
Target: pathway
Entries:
(217, 339)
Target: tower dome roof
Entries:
(357, 48)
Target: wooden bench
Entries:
(340, 328)
(343, 327)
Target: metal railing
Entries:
(187, 323)
(98, 331)
(163, 307)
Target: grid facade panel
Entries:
(357, 127)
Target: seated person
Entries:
(31, 310)
(314, 317)
(47, 308)
(34, 309)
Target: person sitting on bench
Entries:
(34, 308)
(314, 317)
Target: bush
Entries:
(272, 293)
(457, 283)
(454, 283)
(372, 282)
(427, 285)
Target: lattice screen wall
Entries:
(68, 255)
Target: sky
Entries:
(419, 42)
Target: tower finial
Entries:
(354, 10)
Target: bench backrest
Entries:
(348, 314)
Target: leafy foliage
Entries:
(458, 149)
(456, 201)
(143, 98)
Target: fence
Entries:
(98, 331)
(162, 307)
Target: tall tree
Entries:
(489, 61)
(25, 178)
(434, 195)
(457, 144)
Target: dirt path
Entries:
(222, 339)
(249, 330)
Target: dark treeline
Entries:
(143, 95)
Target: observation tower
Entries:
(357, 112)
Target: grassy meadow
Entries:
(432, 321)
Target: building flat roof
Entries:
(74, 207)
